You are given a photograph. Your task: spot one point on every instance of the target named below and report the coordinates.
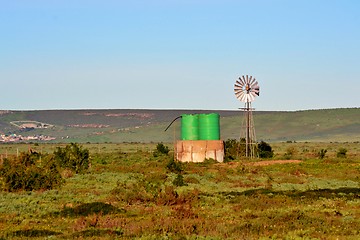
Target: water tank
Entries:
(190, 127)
(209, 126)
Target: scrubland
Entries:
(131, 191)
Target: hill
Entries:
(134, 125)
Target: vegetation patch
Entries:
(30, 171)
(127, 192)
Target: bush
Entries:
(265, 150)
(234, 149)
(290, 152)
(168, 196)
(322, 153)
(28, 173)
(174, 166)
(161, 149)
(179, 181)
(73, 157)
(134, 191)
(341, 153)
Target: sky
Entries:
(178, 54)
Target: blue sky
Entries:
(178, 54)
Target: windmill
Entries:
(246, 89)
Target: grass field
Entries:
(129, 193)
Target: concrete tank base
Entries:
(199, 150)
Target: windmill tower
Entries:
(246, 89)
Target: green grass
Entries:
(129, 194)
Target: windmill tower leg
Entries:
(248, 132)
(247, 109)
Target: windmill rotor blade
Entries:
(253, 81)
(254, 92)
(255, 85)
(253, 95)
(250, 78)
(237, 89)
(238, 93)
(244, 98)
(238, 84)
(243, 79)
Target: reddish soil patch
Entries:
(265, 163)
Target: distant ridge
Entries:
(147, 125)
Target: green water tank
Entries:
(190, 127)
(209, 126)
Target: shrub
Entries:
(322, 153)
(290, 152)
(161, 149)
(73, 157)
(174, 166)
(28, 173)
(179, 181)
(168, 196)
(234, 149)
(133, 191)
(137, 189)
(265, 150)
(341, 153)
